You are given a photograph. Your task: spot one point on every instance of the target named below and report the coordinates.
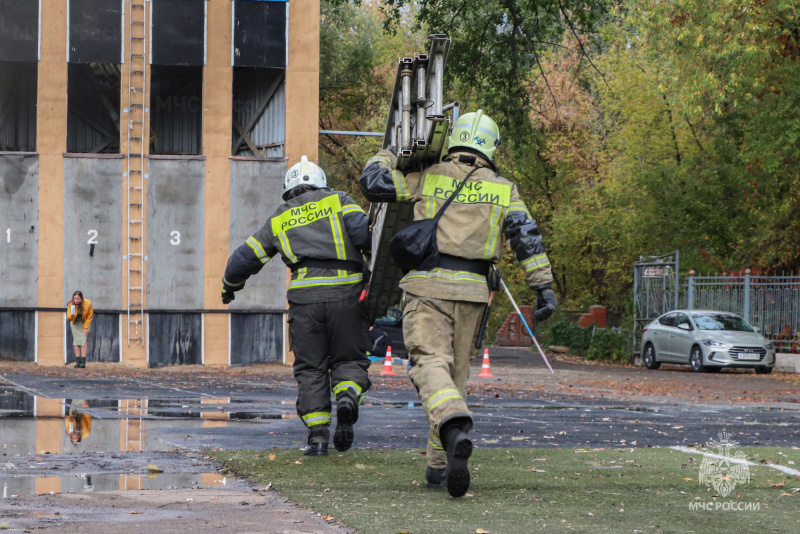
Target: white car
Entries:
(707, 341)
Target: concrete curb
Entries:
(787, 363)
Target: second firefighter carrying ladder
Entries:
(136, 167)
(417, 127)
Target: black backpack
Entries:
(415, 247)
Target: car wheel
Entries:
(763, 370)
(696, 360)
(649, 357)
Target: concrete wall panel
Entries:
(18, 335)
(256, 338)
(93, 245)
(102, 344)
(15, 402)
(256, 189)
(175, 208)
(175, 339)
(19, 229)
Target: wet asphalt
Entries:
(144, 423)
(260, 414)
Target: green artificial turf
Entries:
(531, 490)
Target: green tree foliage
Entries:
(497, 45)
(631, 127)
(736, 66)
(657, 154)
(358, 61)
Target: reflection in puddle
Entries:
(20, 486)
(30, 424)
(41, 437)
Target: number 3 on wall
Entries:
(176, 237)
(92, 237)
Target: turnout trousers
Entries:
(329, 341)
(440, 336)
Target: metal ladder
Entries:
(136, 167)
(417, 127)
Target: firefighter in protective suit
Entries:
(321, 235)
(444, 306)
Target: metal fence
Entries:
(771, 303)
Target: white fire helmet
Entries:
(305, 172)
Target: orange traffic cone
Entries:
(387, 364)
(486, 372)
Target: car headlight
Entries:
(716, 344)
(770, 345)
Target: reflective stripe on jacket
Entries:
(487, 207)
(315, 224)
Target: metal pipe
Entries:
(343, 132)
(394, 127)
(677, 276)
(406, 107)
(437, 84)
(513, 302)
(421, 130)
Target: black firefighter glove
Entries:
(545, 303)
(228, 294)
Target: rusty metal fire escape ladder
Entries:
(136, 168)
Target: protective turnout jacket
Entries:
(471, 228)
(313, 224)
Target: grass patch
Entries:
(525, 490)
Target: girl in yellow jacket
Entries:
(77, 424)
(80, 313)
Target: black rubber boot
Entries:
(435, 478)
(318, 441)
(346, 417)
(316, 449)
(77, 363)
(459, 448)
(83, 363)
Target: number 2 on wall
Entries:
(92, 237)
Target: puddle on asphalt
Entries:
(32, 428)
(30, 424)
(22, 486)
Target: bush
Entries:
(609, 345)
(606, 344)
(571, 335)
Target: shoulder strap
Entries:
(455, 193)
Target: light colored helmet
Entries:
(477, 132)
(304, 173)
